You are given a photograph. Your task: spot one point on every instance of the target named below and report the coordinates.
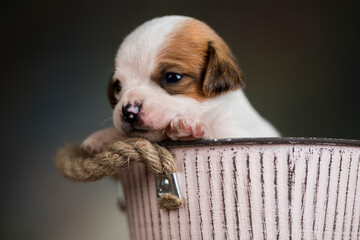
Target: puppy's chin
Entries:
(151, 135)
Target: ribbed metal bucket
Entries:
(252, 189)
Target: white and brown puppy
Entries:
(175, 78)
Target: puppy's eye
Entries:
(172, 77)
(117, 86)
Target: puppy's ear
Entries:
(222, 73)
(111, 92)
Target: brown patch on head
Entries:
(222, 72)
(202, 57)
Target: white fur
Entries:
(229, 115)
(136, 57)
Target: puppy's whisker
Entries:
(105, 121)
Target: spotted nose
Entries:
(130, 112)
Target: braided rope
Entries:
(77, 164)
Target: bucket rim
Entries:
(265, 141)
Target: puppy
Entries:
(176, 79)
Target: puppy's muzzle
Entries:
(131, 112)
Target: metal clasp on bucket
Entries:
(167, 184)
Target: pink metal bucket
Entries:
(252, 189)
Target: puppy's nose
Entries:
(130, 112)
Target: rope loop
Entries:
(76, 164)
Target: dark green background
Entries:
(301, 64)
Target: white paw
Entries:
(93, 145)
(186, 129)
(100, 140)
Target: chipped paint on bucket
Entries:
(252, 189)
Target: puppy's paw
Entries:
(186, 129)
(98, 141)
(92, 145)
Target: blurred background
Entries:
(301, 64)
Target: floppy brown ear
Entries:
(111, 93)
(222, 73)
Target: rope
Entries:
(77, 164)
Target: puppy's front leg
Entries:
(187, 129)
(98, 141)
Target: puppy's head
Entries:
(166, 68)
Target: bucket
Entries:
(284, 188)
